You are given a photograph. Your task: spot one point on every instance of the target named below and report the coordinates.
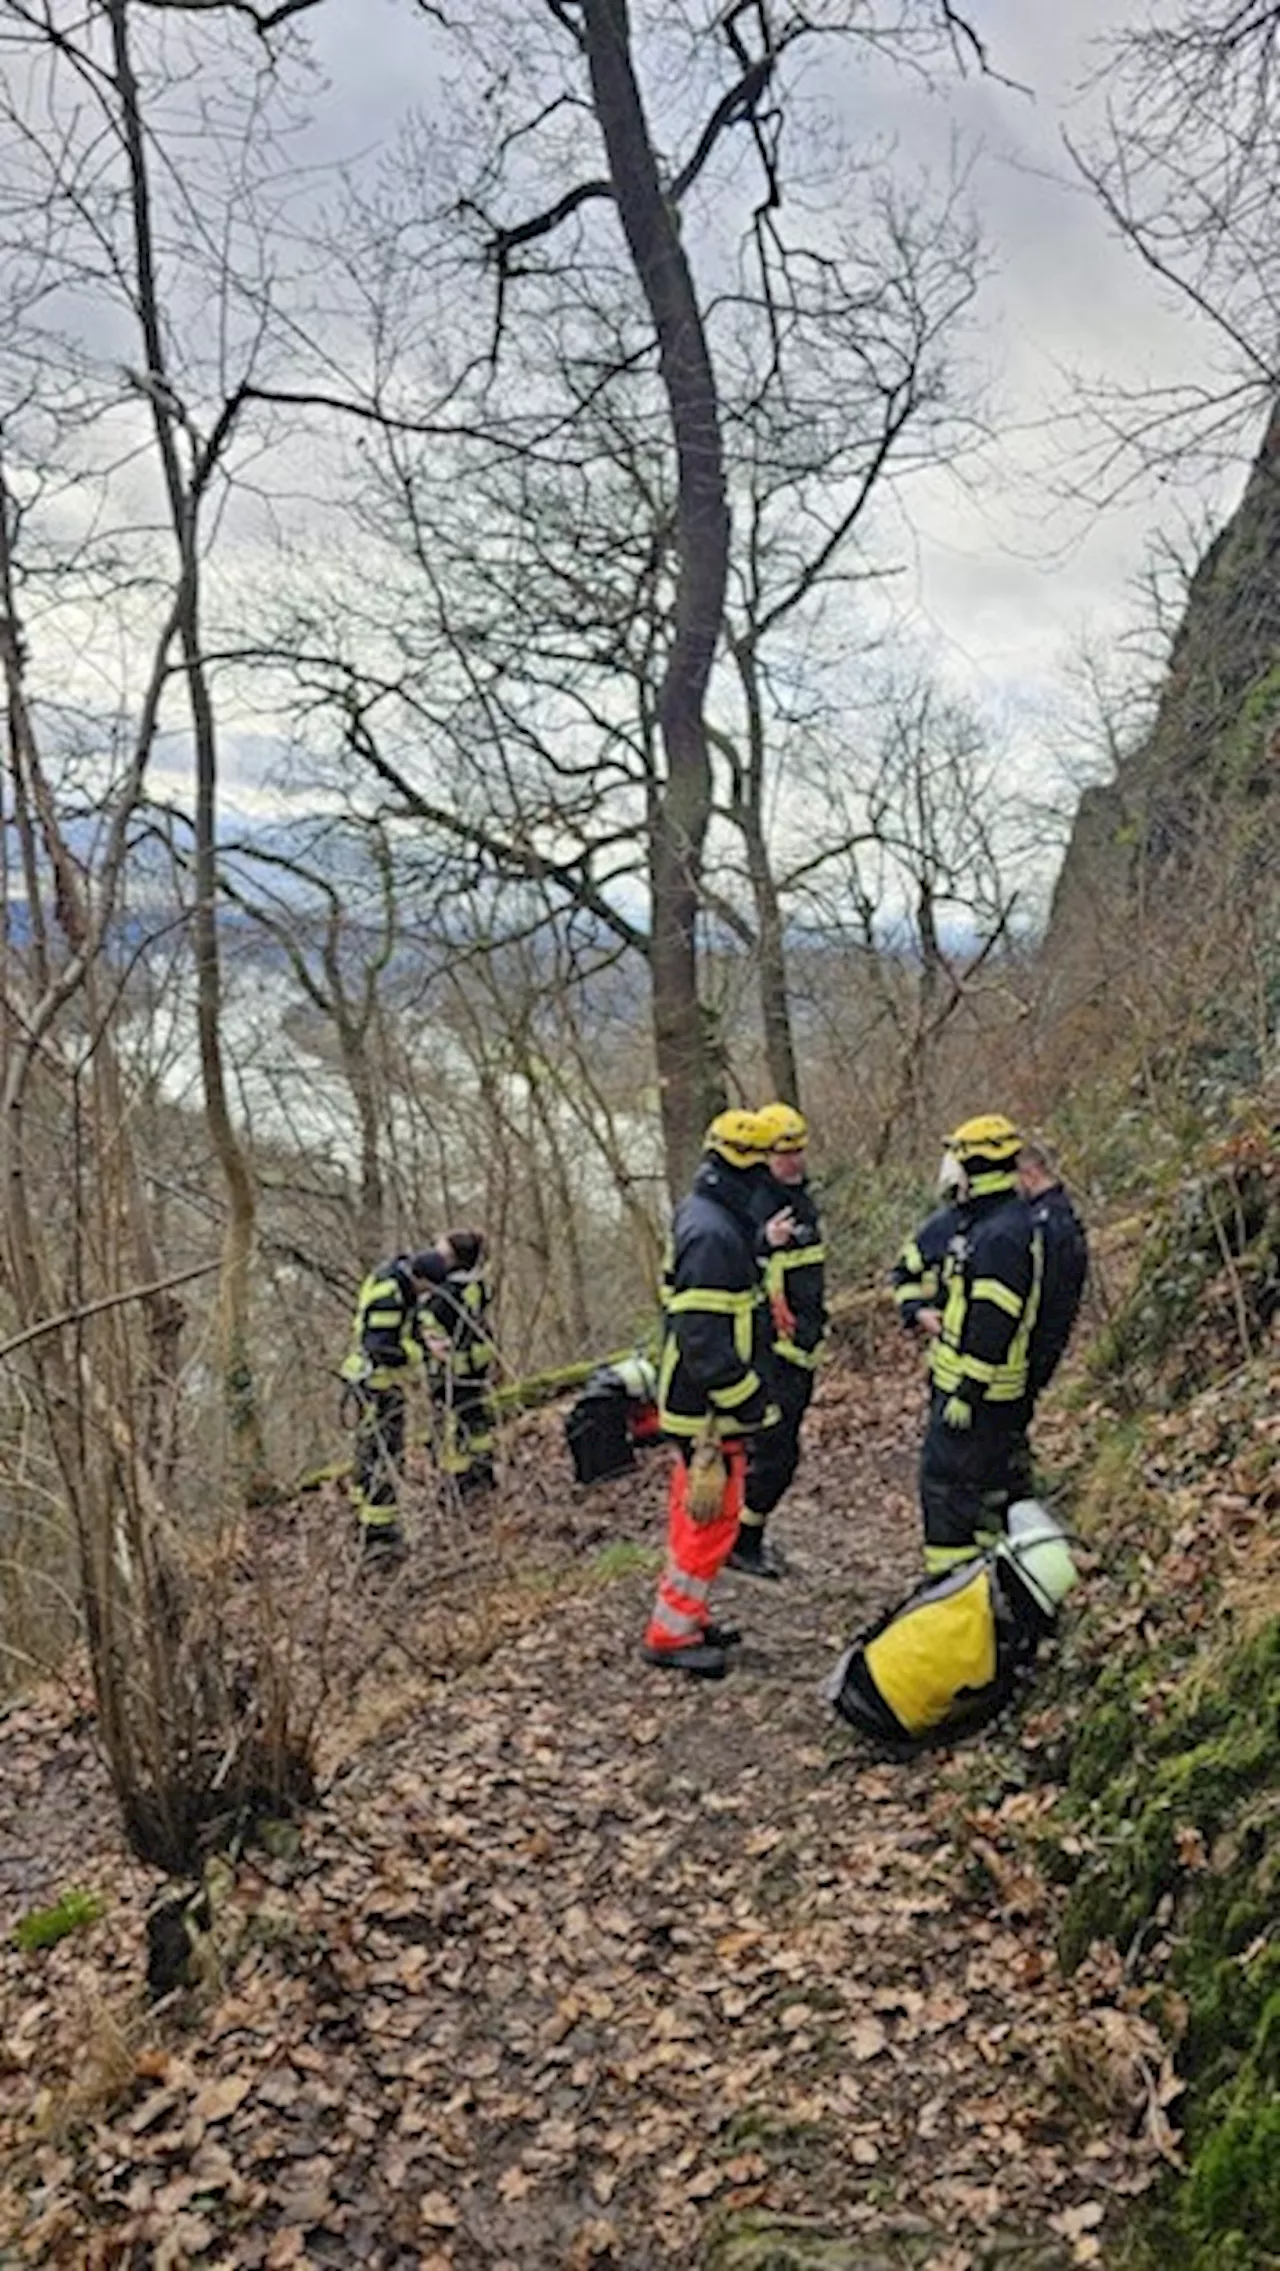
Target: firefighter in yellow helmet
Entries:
(794, 1276)
(987, 1300)
(713, 1388)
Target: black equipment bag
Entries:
(598, 1433)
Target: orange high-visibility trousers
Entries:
(696, 1553)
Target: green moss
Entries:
(1104, 1746)
(1239, 751)
(1182, 1811)
(1142, 1786)
(44, 1927)
(1235, 2182)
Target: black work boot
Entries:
(699, 1660)
(752, 1557)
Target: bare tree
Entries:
(820, 429)
(81, 1256)
(921, 874)
(537, 686)
(339, 940)
(184, 487)
(1185, 171)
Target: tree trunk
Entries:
(240, 1401)
(771, 967)
(681, 808)
(371, 1206)
(111, 1123)
(775, 999)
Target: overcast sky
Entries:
(1002, 579)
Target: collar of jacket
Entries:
(730, 1187)
(981, 1203)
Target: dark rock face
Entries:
(1201, 792)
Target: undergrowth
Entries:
(1173, 1783)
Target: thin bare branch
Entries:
(106, 1301)
(264, 20)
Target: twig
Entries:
(105, 1301)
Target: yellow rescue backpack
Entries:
(948, 1658)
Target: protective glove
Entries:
(957, 1413)
(708, 1475)
(784, 1316)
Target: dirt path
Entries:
(581, 1965)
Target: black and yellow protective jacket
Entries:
(385, 1335)
(916, 1276)
(1066, 1267)
(992, 1279)
(715, 1351)
(460, 1310)
(795, 1275)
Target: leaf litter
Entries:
(574, 1965)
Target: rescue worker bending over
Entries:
(794, 1283)
(991, 1278)
(461, 1357)
(712, 1387)
(386, 1344)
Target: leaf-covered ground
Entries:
(575, 1964)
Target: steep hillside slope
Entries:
(1190, 823)
(1170, 1825)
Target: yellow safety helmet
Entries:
(785, 1129)
(738, 1138)
(990, 1139)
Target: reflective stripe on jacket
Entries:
(384, 1329)
(916, 1276)
(991, 1292)
(716, 1341)
(461, 1310)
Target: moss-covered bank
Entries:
(1173, 1785)
(1182, 1816)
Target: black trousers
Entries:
(969, 1476)
(379, 1448)
(773, 1453)
(464, 1427)
(1022, 1466)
